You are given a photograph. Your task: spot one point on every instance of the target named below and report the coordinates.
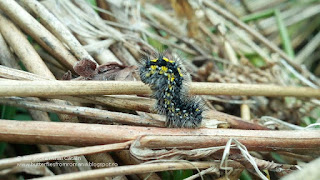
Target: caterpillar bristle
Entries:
(166, 79)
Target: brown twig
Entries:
(38, 32)
(60, 88)
(26, 52)
(41, 157)
(134, 169)
(235, 122)
(15, 74)
(93, 134)
(57, 28)
(23, 48)
(6, 57)
(91, 113)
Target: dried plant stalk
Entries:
(134, 169)
(92, 134)
(24, 50)
(6, 57)
(38, 32)
(57, 28)
(41, 157)
(91, 113)
(15, 74)
(60, 88)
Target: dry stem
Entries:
(92, 134)
(61, 88)
(91, 113)
(37, 31)
(6, 57)
(24, 50)
(134, 169)
(57, 28)
(41, 157)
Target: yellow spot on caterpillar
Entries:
(180, 72)
(172, 78)
(171, 109)
(153, 67)
(167, 60)
(154, 60)
(166, 101)
(152, 71)
(164, 68)
(197, 109)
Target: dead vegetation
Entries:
(79, 60)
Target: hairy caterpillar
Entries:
(166, 80)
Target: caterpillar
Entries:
(166, 79)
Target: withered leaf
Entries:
(85, 68)
(115, 71)
(107, 72)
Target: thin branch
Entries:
(61, 88)
(24, 50)
(308, 49)
(34, 132)
(134, 169)
(30, 25)
(28, 56)
(6, 56)
(91, 113)
(57, 28)
(15, 74)
(41, 157)
(123, 118)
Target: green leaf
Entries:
(258, 15)
(284, 35)
(54, 117)
(306, 121)
(25, 149)
(8, 112)
(182, 174)
(256, 60)
(245, 175)
(92, 2)
(167, 175)
(22, 117)
(278, 158)
(3, 146)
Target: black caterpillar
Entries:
(166, 80)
